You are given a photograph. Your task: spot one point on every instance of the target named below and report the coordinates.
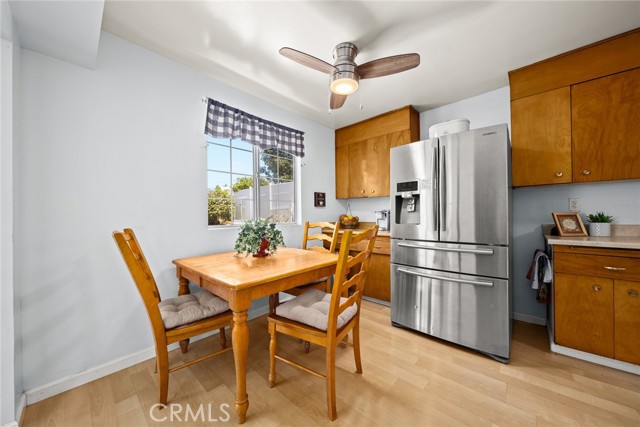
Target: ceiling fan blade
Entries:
(336, 101)
(389, 65)
(307, 60)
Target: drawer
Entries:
(382, 246)
(597, 265)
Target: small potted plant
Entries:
(258, 237)
(600, 224)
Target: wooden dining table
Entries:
(242, 279)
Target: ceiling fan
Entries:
(345, 73)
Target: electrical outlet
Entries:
(574, 205)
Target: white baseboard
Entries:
(20, 408)
(19, 411)
(593, 358)
(67, 383)
(530, 319)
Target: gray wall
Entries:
(531, 206)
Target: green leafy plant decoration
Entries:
(600, 217)
(251, 234)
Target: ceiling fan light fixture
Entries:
(344, 86)
(344, 82)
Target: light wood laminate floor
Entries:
(408, 380)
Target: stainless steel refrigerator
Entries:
(451, 239)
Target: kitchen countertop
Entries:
(622, 237)
(364, 225)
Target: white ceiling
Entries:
(467, 48)
(67, 30)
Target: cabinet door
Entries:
(342, 172)
(606, 128)
(627, 321)
(584, 313)
(358, 169)
(541, 138)
(378, 281)
(377, 167)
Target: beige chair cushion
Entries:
(191, 308)
(312, 308)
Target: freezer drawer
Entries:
(481, 260)
(468, 310)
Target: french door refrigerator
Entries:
(451, 238)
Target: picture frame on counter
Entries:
(569, 224)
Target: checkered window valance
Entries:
(228, 122)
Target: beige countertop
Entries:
(364, 225)
(622, 237)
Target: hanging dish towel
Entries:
(541, 274)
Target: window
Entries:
(246, 182)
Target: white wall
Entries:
(10, 339)
(7, 346)
(101, 150)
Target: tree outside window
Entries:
(232, 177)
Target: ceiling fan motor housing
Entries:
(344, 55)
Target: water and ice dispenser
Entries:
(407, 202)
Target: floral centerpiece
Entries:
(258, 237)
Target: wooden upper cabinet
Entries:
(364, 150)
(606, 128)
(342, 172)
(358, 173)
(576, 117)
(541, 134)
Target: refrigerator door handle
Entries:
(434, 187)
(443, 187)
(461, 250)
(446, 279)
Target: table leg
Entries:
(183, 290)
(240, 341)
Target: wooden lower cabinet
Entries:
(597, 301)
(627, 321)
(378, 282)
(584, 310)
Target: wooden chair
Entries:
(322, 284)
(339, 309)
(146, 284)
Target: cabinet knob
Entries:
(586, 172)
(559, 174)
(373, 191)
(633, 293)
(596, 288)
(362, 192)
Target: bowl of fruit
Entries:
(348, 220)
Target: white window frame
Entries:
(256, 151)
